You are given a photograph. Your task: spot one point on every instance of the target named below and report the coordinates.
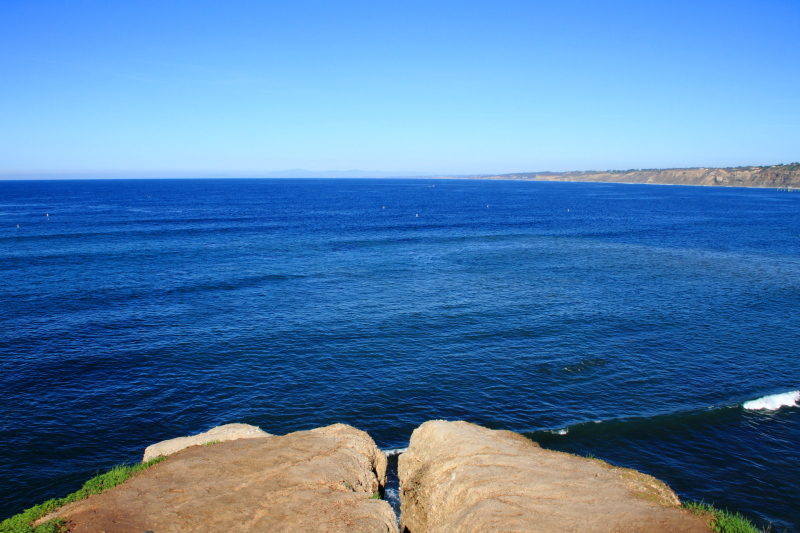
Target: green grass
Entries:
(375, 496)
(722, 521)
(209, 443)
(22, 523)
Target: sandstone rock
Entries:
(457, 477)
(218, 434)
(309, 481)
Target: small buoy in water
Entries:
(384, 207)
(417, 214)
(487, 206)
(47, 214)
(567, 210)
(17, 225)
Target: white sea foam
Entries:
(393, 497)
(774, 401)
(394, 451)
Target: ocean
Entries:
(628, 322)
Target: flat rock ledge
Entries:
(320, 480)
(457, 477)
(217, 434)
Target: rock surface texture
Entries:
(459, 477)
(217, 434)
(309, 481)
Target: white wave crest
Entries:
(392, 495)
(774, 401)
(394, 451)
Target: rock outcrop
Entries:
(217, 434)
(321, 480)
(457, 477)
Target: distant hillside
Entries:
(768, 176)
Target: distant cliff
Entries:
(770, 176)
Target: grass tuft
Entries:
(23, 522)
(722, 521)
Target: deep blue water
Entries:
(637, 317)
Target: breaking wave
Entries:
(665, 423)
(774, 401)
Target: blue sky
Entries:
(440, 87)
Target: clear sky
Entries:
(439, 87)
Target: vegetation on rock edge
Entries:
(23, 522)
(722, 521)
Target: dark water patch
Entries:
(241, 283)
(583, 365)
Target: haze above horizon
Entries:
(412, 88)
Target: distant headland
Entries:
(779, 176)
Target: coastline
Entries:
(774, 176)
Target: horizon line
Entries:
(298, 173)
